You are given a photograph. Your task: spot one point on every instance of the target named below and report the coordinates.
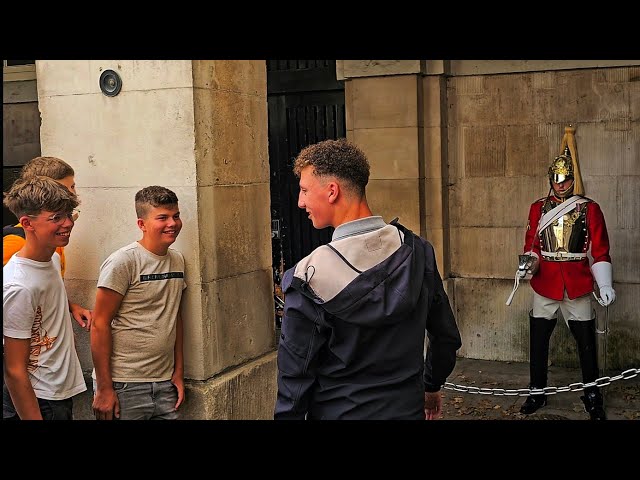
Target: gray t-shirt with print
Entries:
(144, 328)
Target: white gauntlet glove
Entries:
(602, 272)
(608, 295)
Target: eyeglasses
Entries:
(59, 218)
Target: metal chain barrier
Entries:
(521, 392)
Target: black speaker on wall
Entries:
(110, 83)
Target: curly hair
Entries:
(153, 196)
(33, 194)
(338, 158)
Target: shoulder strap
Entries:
(13, 230)
(559, 210)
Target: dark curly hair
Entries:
(153, 196)
(338, 158)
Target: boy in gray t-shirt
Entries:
(136, 337)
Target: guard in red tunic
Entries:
(561, 229)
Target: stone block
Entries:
(243, 315)
(396, 198)
(384, 102)
(245, 393)
(230, 137)
(485, 252)
(484, 151)
(235, 230)
(392, 152)
(248, 77)
(376, 68)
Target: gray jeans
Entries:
(146, 400)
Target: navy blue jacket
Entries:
(353, 331)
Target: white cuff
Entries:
(603, 273)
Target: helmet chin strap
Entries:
(567, 193)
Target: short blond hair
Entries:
(34, 194)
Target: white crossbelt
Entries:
(558, 211)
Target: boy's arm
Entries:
(105, 401)
(80, 314)
(178, 357)
(16, 377)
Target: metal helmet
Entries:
(561, 168)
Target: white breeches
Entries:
(578, 309)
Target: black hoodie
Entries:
(353, 331)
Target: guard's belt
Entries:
(563, 256)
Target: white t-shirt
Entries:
(144, 327)
(35, 306)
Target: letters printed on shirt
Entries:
(160, 276)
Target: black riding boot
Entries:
(585, 335)
(540, 330)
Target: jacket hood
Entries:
(379, 296)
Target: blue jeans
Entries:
(146, 400)
(49, 409)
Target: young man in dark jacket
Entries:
(356, 309)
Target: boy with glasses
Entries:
(13, 237)
(41, 368)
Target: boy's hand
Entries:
(106, 405)
(178, 380)
(432, 405)
(81, 315)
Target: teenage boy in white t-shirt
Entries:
(136, 336)
(41, 368)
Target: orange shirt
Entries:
(12, 243)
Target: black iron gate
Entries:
(306, 105)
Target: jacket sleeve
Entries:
(530, 238)
(443, 334)
(300, 345)
(598, 232)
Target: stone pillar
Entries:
(394, 113)
(200, 129)
(236, 333)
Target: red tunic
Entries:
(553, 278)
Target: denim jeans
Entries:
(146, 400)
(50, 409)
